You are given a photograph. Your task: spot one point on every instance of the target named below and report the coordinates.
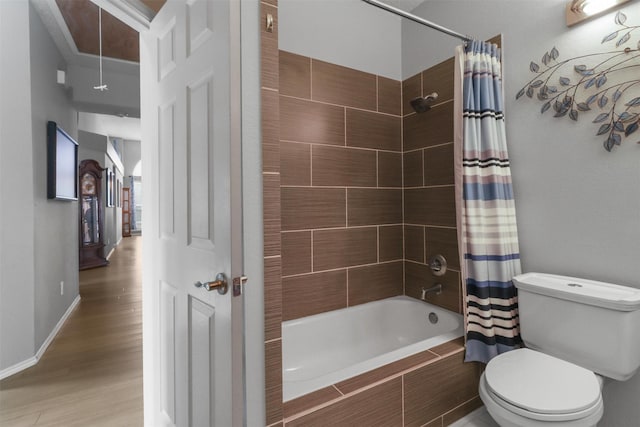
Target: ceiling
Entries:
(73, 26)
(119, 41)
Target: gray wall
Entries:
(131, 154)
(56, 223)
(39, 242)
(16, 188)
(578, 206)
(345, 32)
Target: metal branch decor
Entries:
(610, 87)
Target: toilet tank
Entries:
(595, 325)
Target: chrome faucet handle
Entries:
(438, 265)
(437, 288)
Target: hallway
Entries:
(91, 375)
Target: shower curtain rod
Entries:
(417, 19)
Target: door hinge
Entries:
(238, 283)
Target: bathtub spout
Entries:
(437, 288)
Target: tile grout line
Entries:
(311, 165)
(351, 186)
(404, 273)
(340, 228)
(346, 220)
(378, 243)
(377, 93)
(310, 78)
(345, 126)
(402, 397)
(377, 169)
(424, 172)
(413, 150)
(346, 208)
(424, 244)
(353, 147)
(372, 264)
(311, 232)
(341, 106)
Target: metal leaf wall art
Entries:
(611, 87)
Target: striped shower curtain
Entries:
(487, 231)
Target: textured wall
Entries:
(56, 223)
(16, 187)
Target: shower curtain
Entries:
(487, 231)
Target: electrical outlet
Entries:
(62, 287)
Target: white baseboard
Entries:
(111, 252)
(20, 366)
(12, 370)
(55, 330)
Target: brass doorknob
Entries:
(220, 284)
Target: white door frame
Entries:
(252, 394)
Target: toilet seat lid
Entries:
(540, 383)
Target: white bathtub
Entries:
(326, 348)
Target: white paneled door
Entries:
(190, 96)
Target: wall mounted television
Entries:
(62, 164)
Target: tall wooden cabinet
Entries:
(126, 213)
(91, 222)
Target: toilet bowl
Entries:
(526, 388)
(572, 328)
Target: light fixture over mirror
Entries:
(579, 10)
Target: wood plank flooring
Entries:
(91, 375)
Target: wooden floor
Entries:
(91, 375)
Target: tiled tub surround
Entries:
(366, 197)
(340, 186)
(432, 388)
(327, 348)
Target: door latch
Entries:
(238, 283)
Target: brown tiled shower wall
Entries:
(356, 225)
(340, 186)
(346, 223)
(429, 192)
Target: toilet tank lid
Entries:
(601, 294)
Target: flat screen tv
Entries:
(62, 164)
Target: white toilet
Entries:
(573, 329)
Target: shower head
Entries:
(420, 104)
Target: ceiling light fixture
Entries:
(579, 10)
(102, 86)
